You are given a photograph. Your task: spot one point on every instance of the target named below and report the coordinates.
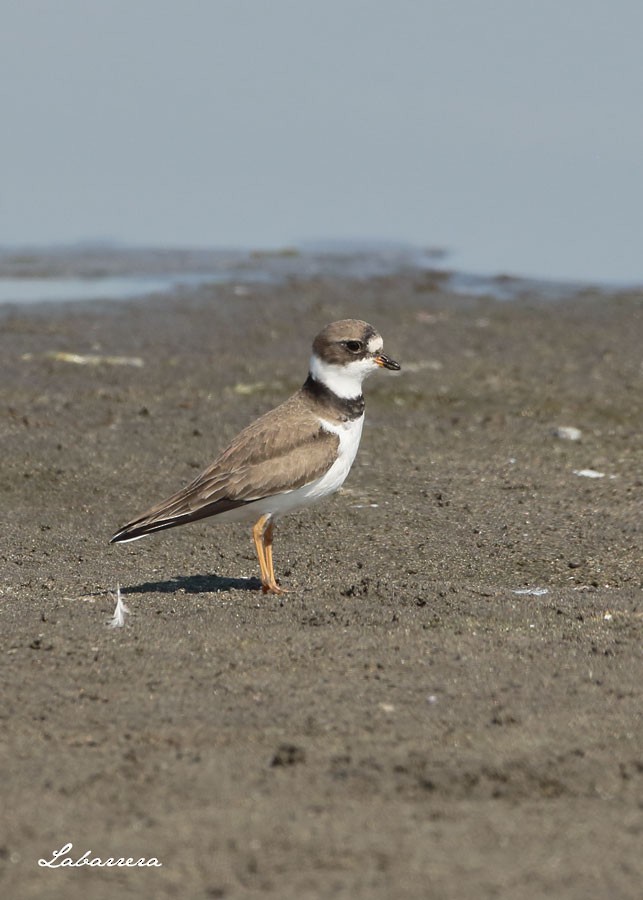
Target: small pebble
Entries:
(567, 433)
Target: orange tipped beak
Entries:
(387, 363)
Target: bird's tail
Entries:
(138, 528)
(175, 511)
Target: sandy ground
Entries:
(447, 704)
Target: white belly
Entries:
(349, 434)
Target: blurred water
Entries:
(41, 290)
(112, 273)
(101, 273)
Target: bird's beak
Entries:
(387, 363)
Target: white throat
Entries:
(344, 381)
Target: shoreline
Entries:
(113, 273)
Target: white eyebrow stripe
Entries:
(376, 343)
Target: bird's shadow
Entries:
(194, 584)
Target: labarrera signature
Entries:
(60, 858)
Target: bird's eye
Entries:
(353, 346)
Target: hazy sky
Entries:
(508, 131)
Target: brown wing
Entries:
(268, 457)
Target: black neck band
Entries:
(346, 409)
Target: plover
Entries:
(290, 457)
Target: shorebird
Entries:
(290, 457)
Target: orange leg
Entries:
(262, 534)
(273, 587)
(257, 537)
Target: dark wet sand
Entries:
(403, 724)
